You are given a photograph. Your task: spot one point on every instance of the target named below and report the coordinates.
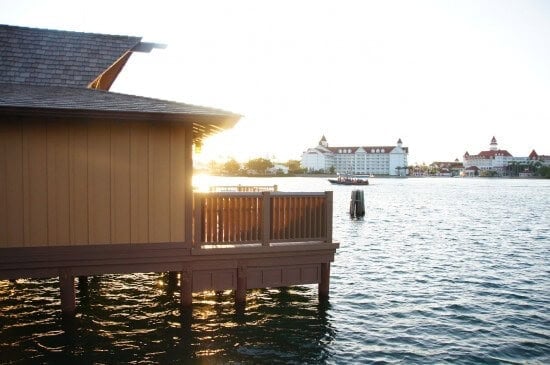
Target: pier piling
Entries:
(240, 293)
(324, 284)
(186, 289)
(67, 293)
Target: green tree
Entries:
(513, 168)
(544, 171)
(232, 167)
(259, 165)
(294, 167)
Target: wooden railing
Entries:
(229, 218)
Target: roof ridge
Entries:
(68, 31)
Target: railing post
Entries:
(266, 217)
(328, 216)
(198, 219)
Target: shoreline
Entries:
(379, 176)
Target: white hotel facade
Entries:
(359, 160)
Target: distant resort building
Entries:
(493, 159)
(358, 160)
(501, 162)
(543, 159)
(447, 168)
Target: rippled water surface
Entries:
(439, 270)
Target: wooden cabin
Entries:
(95, 182)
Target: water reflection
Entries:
(285, 325)
(439, 271)
(129, 318)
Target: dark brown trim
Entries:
(44, 262)
(188, 194)
(218, 120)
(39, 262)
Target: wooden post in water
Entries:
(186, 289)
(67, 293)
(324, 284)
(83, 284)
(240, 293)
(172, 279)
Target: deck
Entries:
(241, 240)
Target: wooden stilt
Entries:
(186, 289)
(83, 282)
(82, 287)
(68, 300)
(325, 280)
(240, 293)
(172, 279)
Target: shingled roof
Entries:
(82, 99)
(52, 72)
(22, 99)
(58, 58)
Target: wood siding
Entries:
(92, 182)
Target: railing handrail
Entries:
(259, 193)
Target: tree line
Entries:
(256, 167)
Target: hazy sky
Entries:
(444, 76)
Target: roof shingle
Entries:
(58, 58)
(83, 99)
(50, 72)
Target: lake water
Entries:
(440, 270)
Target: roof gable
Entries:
(59, 58)
(365, 149)
(67, 74)
(492, 154)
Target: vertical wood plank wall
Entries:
(92, 182)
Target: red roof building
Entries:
(492, 159)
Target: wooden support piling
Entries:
(172, 279)
(324, 284)
(83, 284)
(240, 293)
(67, 293)
(186, 289)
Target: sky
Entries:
(444, 76)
